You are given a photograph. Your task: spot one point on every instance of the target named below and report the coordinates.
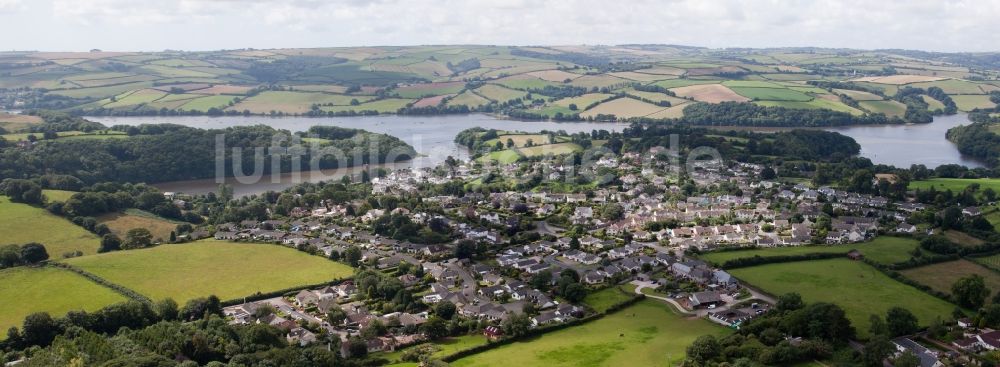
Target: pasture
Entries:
(771, 94)
(857, 287)
(645, 334)
(623, 108)
(468, 98)
(992, 262)
(549, 149)
(858, 95)
(13, 123)
(499, 93)
(889, 108)
(883, 249)
(228, 270)
(26, 290)
(817, 103)
(429, 89)
(952, 86)
(121, 223)
(23, 223)
(519, 140)
(57, 195)
(710, 93)
(603, 299)
(942, 276)
(293, 102)
(388, 105)
(955, 184)
(970, 102)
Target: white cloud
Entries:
(921, 24)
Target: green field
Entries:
(226, 269)
(519, 140)
(205, 103)
(120, 223)
(603, 299)
(294, 102)
(447, 346)
(955, 184)
(817, 103)
(553, 149)
(388, 105)
(857, 287)
(883, 249)
(858, 95)
(23, 223)
(992, 261)
(645, 334)
(889, 108)
(952, 86)
(506, 156)
(57, 195)
(971, 102)
(771, 94)
(499, 93)
(25, 290)
(942, 276)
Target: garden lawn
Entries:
(605, 298)
(228, 270)
(645, 334)
(23, 223)
(25, 290)
(447, 346)
(858, 288)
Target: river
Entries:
(904, 145)
(433, 137)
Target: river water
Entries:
(433, 137)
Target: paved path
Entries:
(639, 285)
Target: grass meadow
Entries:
(26, 290)
(883, 249)
(645, 334)
(858, 288)
(23, 223)
(942, 276)
(228, 270)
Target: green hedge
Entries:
(128, 293)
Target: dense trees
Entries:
(22, 191)
(970, 291)
(765, 340)
(28, 254)
(749, 114)
(977, 140)
(180, 153)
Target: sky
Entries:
(154, 25)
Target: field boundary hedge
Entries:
(745, 262)
(120, 289)
(543, 330)
(899, 277)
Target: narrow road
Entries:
(639, 285)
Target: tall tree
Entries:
(970, 291)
